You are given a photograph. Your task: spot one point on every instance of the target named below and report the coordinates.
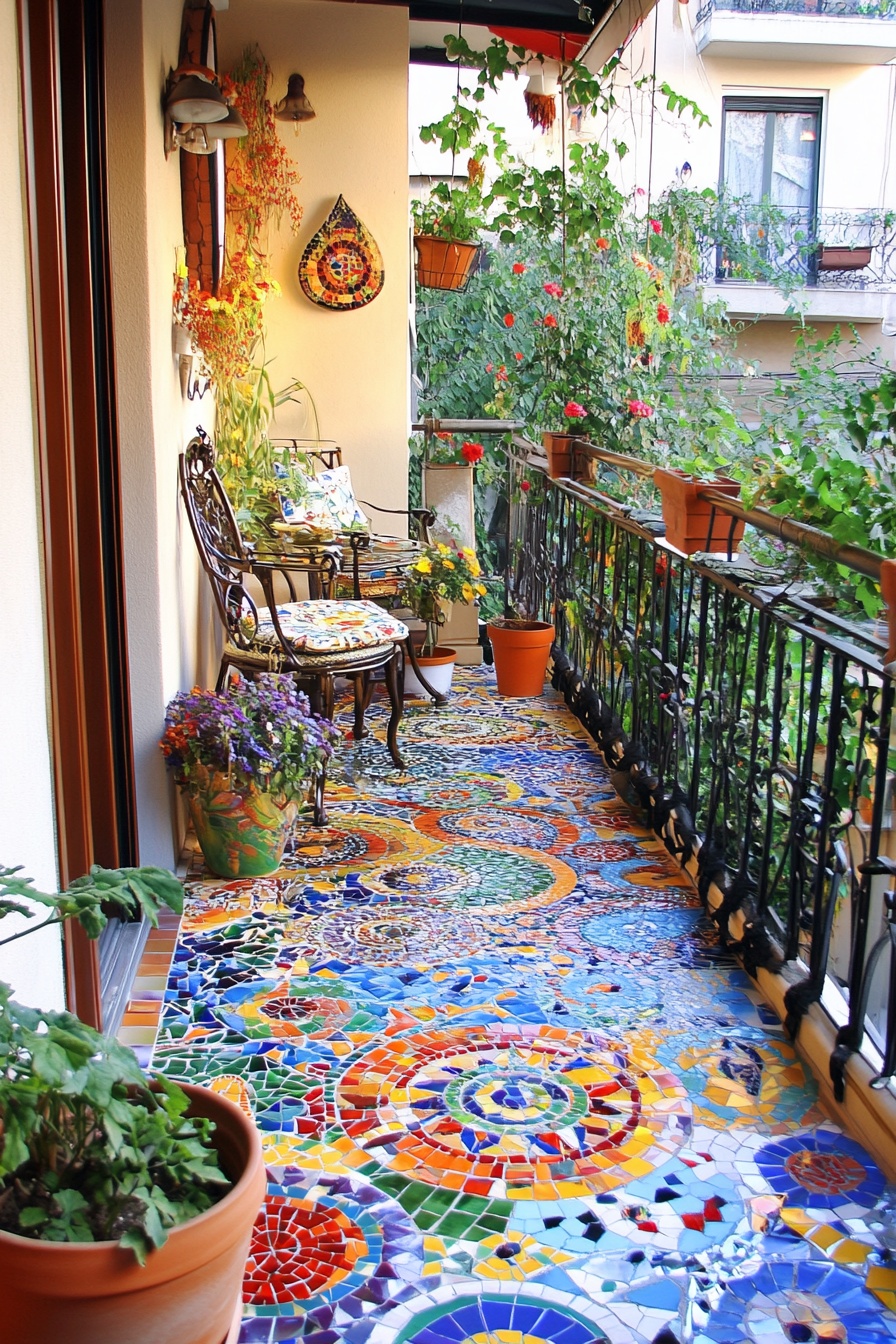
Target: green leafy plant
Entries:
(90, 1150)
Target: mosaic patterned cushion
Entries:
(323, 626)
(344, 509)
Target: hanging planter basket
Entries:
(443, 263)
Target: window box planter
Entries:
(558, 450)
(844, 258)
(691, 523)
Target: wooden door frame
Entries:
(62, 73)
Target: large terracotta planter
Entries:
(691, 523)
(240, 834)
(443, 263)
(521, 650)
(187, 1292)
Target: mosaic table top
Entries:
(511, 1090)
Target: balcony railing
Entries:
(861, 9)
(749, 720)
(829, 249)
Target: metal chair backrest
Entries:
(225, 556)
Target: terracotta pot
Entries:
(888, 593)
(521, 650)
(558, 449)
(241, 834)
(54, 1293)
(443, 263)
(688, 518)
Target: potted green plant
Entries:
(440, 576)
(245, 760)
(447, 226)
(126, 1206)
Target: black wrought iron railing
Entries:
(863, 9)
(753, 723)
(833, 249)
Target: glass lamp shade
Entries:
(231, 128)
(193, 99)
(295, 106)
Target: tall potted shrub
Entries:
(126, 1206)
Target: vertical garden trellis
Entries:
(752, 722)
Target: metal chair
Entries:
(373, 564)
(316, 639)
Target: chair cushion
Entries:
(322, 626)
(271, 658)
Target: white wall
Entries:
(355, 364)
(27, 825)
(168, 626)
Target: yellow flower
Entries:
(449, 564)
(468, 593)
(480, 589)
(469, 553)
(424, 565)
(443, 549)
(475, 569)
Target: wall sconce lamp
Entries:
(295, 106)
(196, 115)
(188, 389)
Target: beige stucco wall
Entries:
(27, 828)
(167, 623)
(355, 364)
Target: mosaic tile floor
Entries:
(511, 1090)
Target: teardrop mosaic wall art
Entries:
(342, 266)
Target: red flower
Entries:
(501, 375)
(555, 290)
(489, 367)
(573, 410)
(519, 268)
(662, 314)
(517, 354)
(509, 319)
(602, 244)
(656, 226)
(525, 486)
(444, 434)
(550, 320)
(639, 409)
(471, 452)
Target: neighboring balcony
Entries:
(845, 32)
(838, 265)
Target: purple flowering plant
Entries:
(260, 734)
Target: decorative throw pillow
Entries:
(345, 511)
(309, 511)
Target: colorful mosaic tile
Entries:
(510, 1088)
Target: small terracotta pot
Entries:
(96, 1293)
(558, 449)
(888, 593)
(691, 523)
(521, 650)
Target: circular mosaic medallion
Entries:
(800, 1302)
(737, 1081)
(494, 1319)
(353, 843)
(266, 1010)
(822, 1169)
(475, 877)
(321, 1239)
(395, 933)
(501, 825)
(528, 1112)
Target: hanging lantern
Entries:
(541, 100)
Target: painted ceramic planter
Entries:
(691, 523)
(241, 834)
(189, 1291)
